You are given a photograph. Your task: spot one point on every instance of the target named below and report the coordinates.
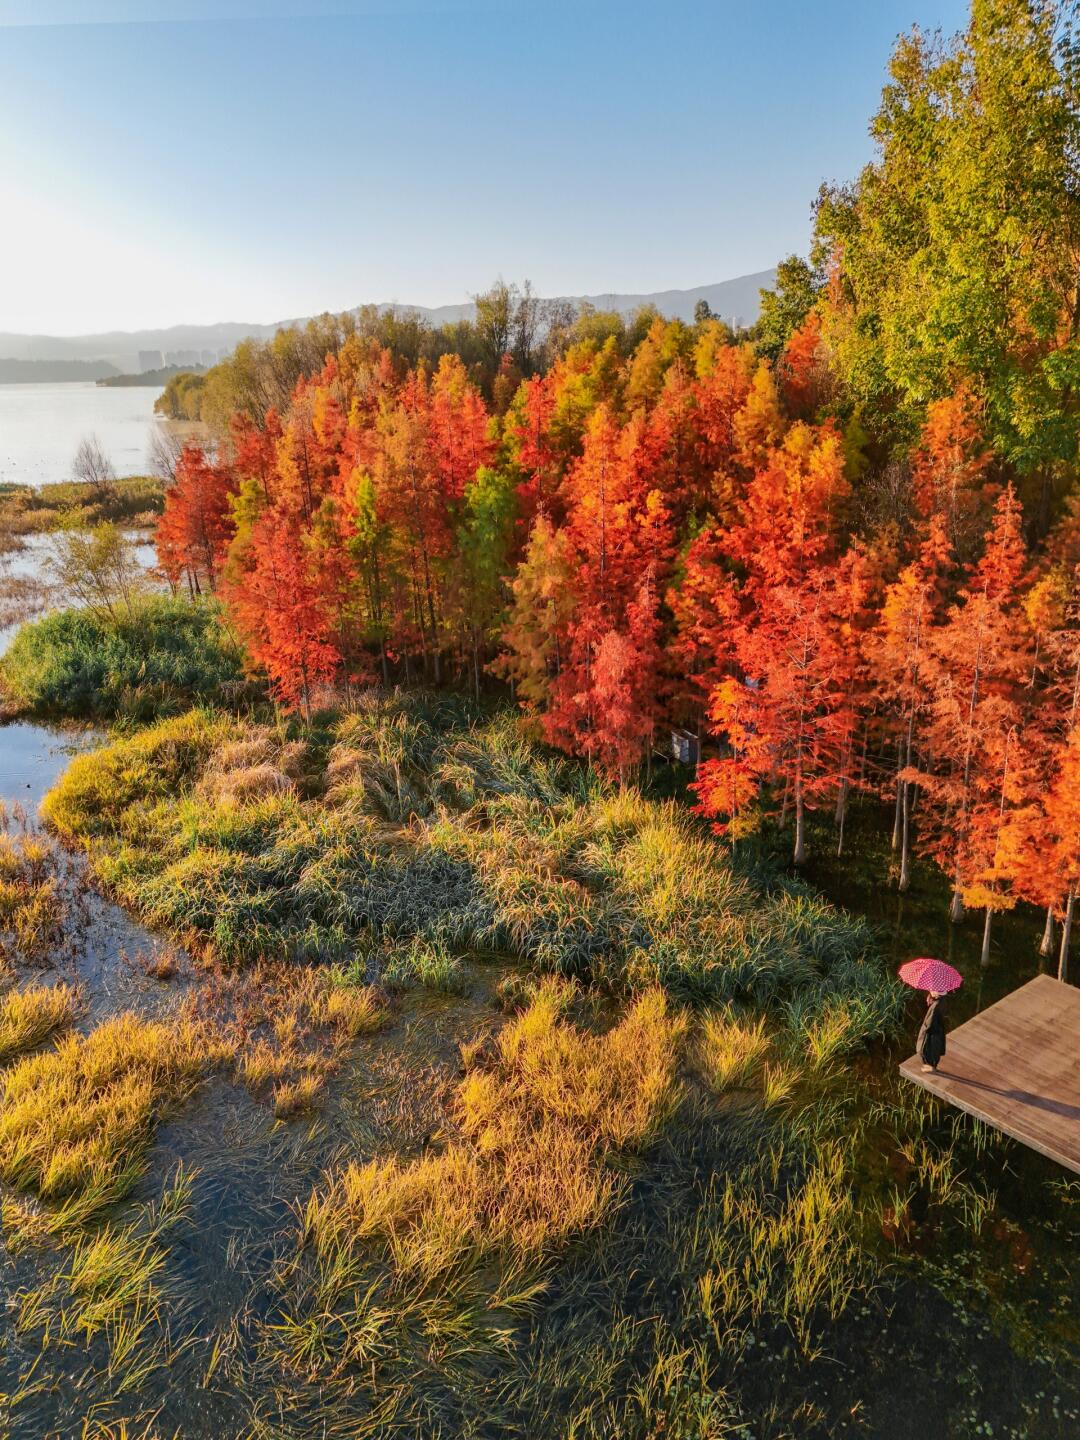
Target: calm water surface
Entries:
(41, 427)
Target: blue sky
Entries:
(195, 161)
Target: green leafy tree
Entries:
(784, 309)
(954, 255)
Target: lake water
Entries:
(41, 427)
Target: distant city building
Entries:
(181, 357)
(208, 357)
(150, 360)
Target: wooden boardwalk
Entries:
(1017, 1066)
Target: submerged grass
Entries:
(112, 1290)
(446, 1249)
(32, 903)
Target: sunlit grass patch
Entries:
(732, 1049)
(353, 1010)
(427, 1247)
(74, 1122)
(28, 1016)
(103, 793)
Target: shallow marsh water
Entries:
(251, 1172)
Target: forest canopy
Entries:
(843, 549)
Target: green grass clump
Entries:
(425, 962)
(165, 655)
(28, 1016)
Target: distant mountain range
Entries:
(139, 350)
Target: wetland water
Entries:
(41, 427)
(1010, 1279)
(250, 1172)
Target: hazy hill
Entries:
(21, 371)
(736, 298)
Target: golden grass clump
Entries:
(732, 1049)
(353, 1010)
(286, 1016)
(28, 1016)
(74, 1121)
(253, 767)
(239, 787)
(472, 1228)
(294, 1097)
(618, 1088)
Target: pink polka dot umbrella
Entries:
(927, 974)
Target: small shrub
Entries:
(166, 654)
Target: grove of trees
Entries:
(843, 549)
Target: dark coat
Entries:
(930, 1046)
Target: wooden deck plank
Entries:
(1017, 1066)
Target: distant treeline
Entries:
(161, 376)
(515, 335)
(29, 372)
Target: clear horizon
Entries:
(180, 169)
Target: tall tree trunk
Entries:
(1066, 932)
(899, 810)
(800, 826)
(841, 816)
(905, 842)
(1047, 946)
(984, 958)
(956, 907)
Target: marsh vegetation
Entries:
(500, 1101)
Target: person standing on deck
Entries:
(930, 1046)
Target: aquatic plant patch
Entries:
(451, 837)
(446, 1249)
